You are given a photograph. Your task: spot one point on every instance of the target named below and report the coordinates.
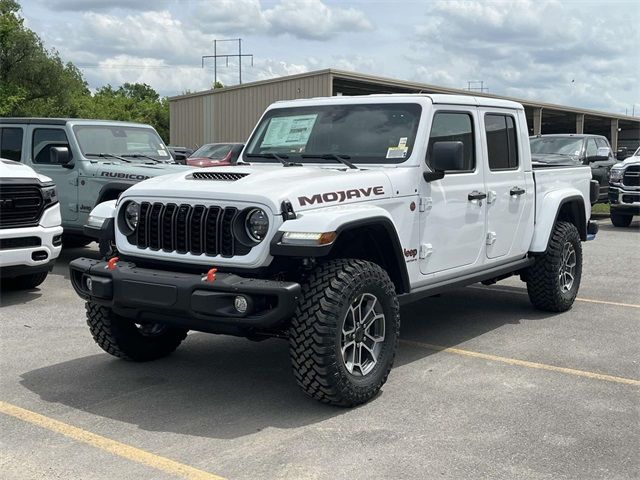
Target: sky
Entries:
(578, 53)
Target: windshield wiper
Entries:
(107, 155)
(344, 159)
(281, 157)
(140, 155)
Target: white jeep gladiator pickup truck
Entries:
(30, 231)
(339, 210)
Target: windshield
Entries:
(215, 151)
(121, 141)
(559, 145)
(637, 153)
(374, 133)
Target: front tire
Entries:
(25, 282)
(621, 220)
(554, 279)
(125, 339)
(344, 333)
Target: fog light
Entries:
(240, 304)
(88, 283)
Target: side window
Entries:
(602, 143)
(44, 139)
(501, 142)
(454, 127)
(11, 143)
(592, 149)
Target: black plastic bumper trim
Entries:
(184, 299)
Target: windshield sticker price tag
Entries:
(397, 152)
(289, 131)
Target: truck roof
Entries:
(436, 98)
(64, 121)
(575, 135)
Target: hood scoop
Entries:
(223, 176)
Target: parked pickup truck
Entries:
(577, 149)
(340, 209)
(624, 192)
(30, 231)
(90, 161)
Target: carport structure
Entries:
(228, 114)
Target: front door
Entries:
(509, 194)
(452, 209)
(66, 179)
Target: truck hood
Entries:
(11, 169)
(628, 161)
(136, 170)
(555, 159)
(306, 187)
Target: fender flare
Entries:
(111, 187)
(554, 201)
(377, 217)
(106, 211)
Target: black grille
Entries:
(631, 198)
(21, 242)
(226, 176)
(631, 176)
(20, 205)
(188, 229)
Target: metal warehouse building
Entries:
(229, 114)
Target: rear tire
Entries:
(344, 333)
(621, 220)
(554, 279)
(125, 339)
(25, 282)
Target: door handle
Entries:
(475, 195)
(517, 191)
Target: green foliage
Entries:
(35, 82)
(217, 84)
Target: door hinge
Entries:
(73, 207)
(73, 181)
(491, 238)
(426, 249)
(425, 203)
(491, 196)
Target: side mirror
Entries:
(60, 156)
(445, 156)
(180, 158)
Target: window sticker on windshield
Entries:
(162, 153)
(289, 131)
(397, 152)
(402, 142)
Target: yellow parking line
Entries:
(122, 450)
(524, 363)
(521, 291)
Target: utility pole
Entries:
(215, 57)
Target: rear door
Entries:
(452, 223)
(509, 195)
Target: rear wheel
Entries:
(621, 219)
(554, 279)
(344, 333)
(123, 338)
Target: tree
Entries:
(217, 84)
(33, 81)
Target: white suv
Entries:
(30, 231)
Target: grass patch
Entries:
(600, 208)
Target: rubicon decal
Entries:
(341, 195)
(127, 176)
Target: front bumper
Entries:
(625, 200)
(184, 299)
(29, 249)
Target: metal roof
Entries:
(418, 87)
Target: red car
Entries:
(215, 155)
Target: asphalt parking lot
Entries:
(484, 386)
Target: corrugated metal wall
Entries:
(230, 115)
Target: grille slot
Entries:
(224, 176)
(188, 229)
(20, 205)
(631, 177)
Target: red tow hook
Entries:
(112, 263)
(211, 276)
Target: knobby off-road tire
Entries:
(621, 220)
(317, 333)
(25, 282)
(549, 281)
(122, 338)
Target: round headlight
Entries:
(256, 224)
(131, 215)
